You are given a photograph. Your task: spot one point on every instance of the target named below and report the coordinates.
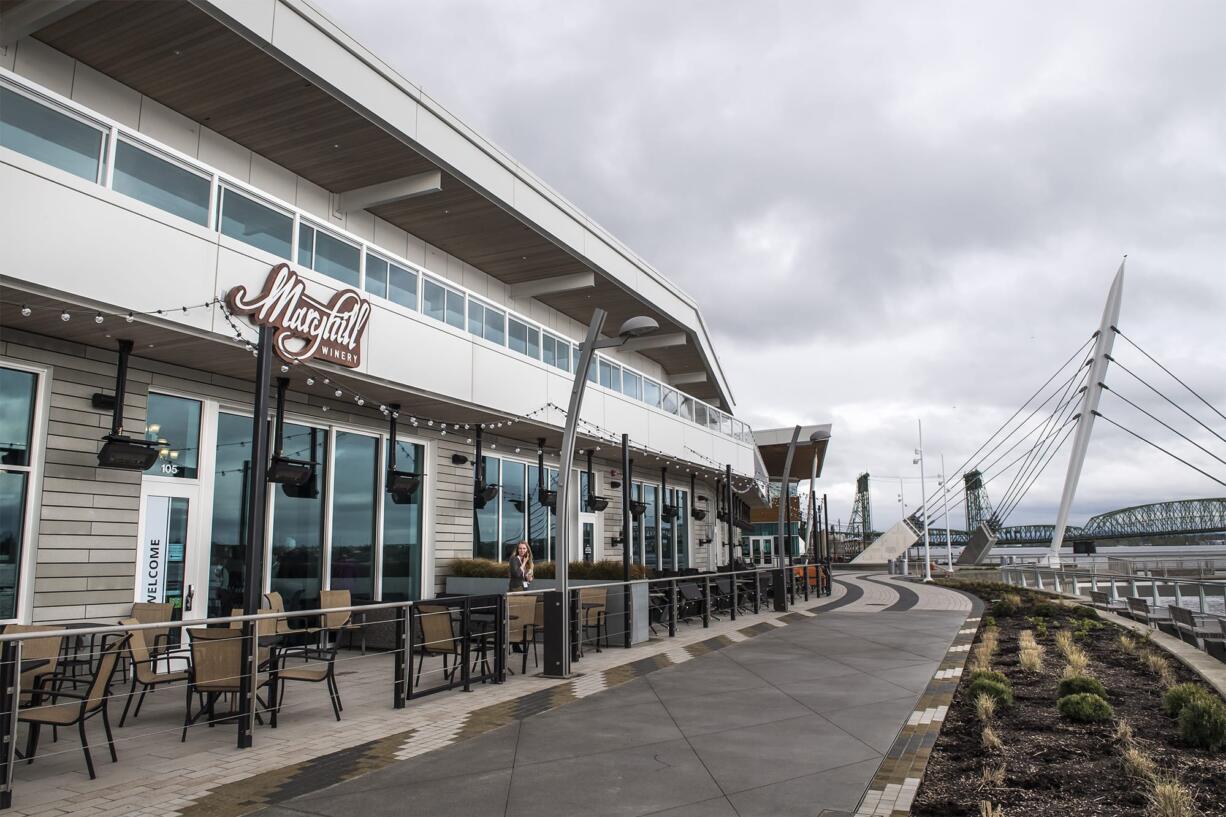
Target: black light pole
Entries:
(728, 517)
(826, 549)
(253, 577)
(627, 465)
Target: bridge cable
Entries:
(1063, 412)
(1163, 424)
(1022, 408)
(1168, 371)
(989, 479)
(1017, 500)
(960, 492)
(1160, 448)
(1152, 388)
(1082, 371)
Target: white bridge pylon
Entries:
(1088, 410)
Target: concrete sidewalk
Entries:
(793, 722)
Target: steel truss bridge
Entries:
(1183, 517)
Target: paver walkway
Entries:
(795, 721)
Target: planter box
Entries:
(639, 604)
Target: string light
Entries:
(25, 311)
(64, 316)
(98, 318)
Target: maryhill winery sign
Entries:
(306, 328)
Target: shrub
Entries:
(1180, 695)
(1007, 605)
(1078, 663)
(1123, 733)
(1003, 693)
(478, 568)
(992, 777)
(1040, 628)
(989, 674)
(1064, 642)
(1086, 613)
(1202, 723)
(1080, 683)
(1085, 707)
(1030, 659)
(1045, 609)
(991, 741)
(1128, 644)
(990, 621)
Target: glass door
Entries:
(169, 563)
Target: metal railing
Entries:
(1209, 597)
(470, 634)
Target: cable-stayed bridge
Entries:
(1063, 409)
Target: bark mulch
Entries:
(1055, 768)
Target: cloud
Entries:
(885, 211)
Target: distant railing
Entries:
(1207, 596)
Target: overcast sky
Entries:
(886, 211)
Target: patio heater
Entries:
(401, 485)
(119, 450)
(483, 492)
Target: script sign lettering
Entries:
(306, 328)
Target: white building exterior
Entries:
(156, 156)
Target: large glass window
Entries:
(376, 275)
(166, 185)
(538, 518)
(632, 384)
(175, 423)
(487, 322)
(402, 286)
(651, 393)
(668, 401)
(667, 532)
(231, 478)
(687, 407)
(402, 533)
(681, 528)
(354, 504)
(259, 225)
(485, 520)
(323, 252)
(514, 506)
(298, 522)
(651, 518)
(556, 352)
(700, 413)
(442, 304)
(45, 134)
(534, 342)
(610, 375)
(18, 391)
(517, 336)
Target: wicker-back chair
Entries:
(158, 638)
(438, 637)
(60, 707)
(217, 668)
(144, 669)
(593, 609)
(522, 628)
(47, 649)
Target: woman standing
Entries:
(521, 567)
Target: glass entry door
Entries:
(169, 569)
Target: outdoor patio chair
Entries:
(158, 638)
(56, 706)
(593, 607)
(47, 649)
(522, 628)
(438, 637)
(263, 629)
(144, 669)
(340, 621)
(690, 601)
(320, 667)
(217, 667)
(1140, 611)
(276, 604)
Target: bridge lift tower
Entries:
(978, 506)
(860, 527)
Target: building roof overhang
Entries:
(282, 80)
(812, 443)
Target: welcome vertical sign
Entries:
(151, 570)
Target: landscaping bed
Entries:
(1038, 761)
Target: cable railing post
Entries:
(10, 698)
(399, 653)
(410, 648)
(466, 646)
(757, 592)
(672, 608)
(248, 686)
(1178, 595)
(706, 601)
(1153, 592)
(500, 638)
(1200, 589)
(733, 577)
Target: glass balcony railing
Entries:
(58, 132)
